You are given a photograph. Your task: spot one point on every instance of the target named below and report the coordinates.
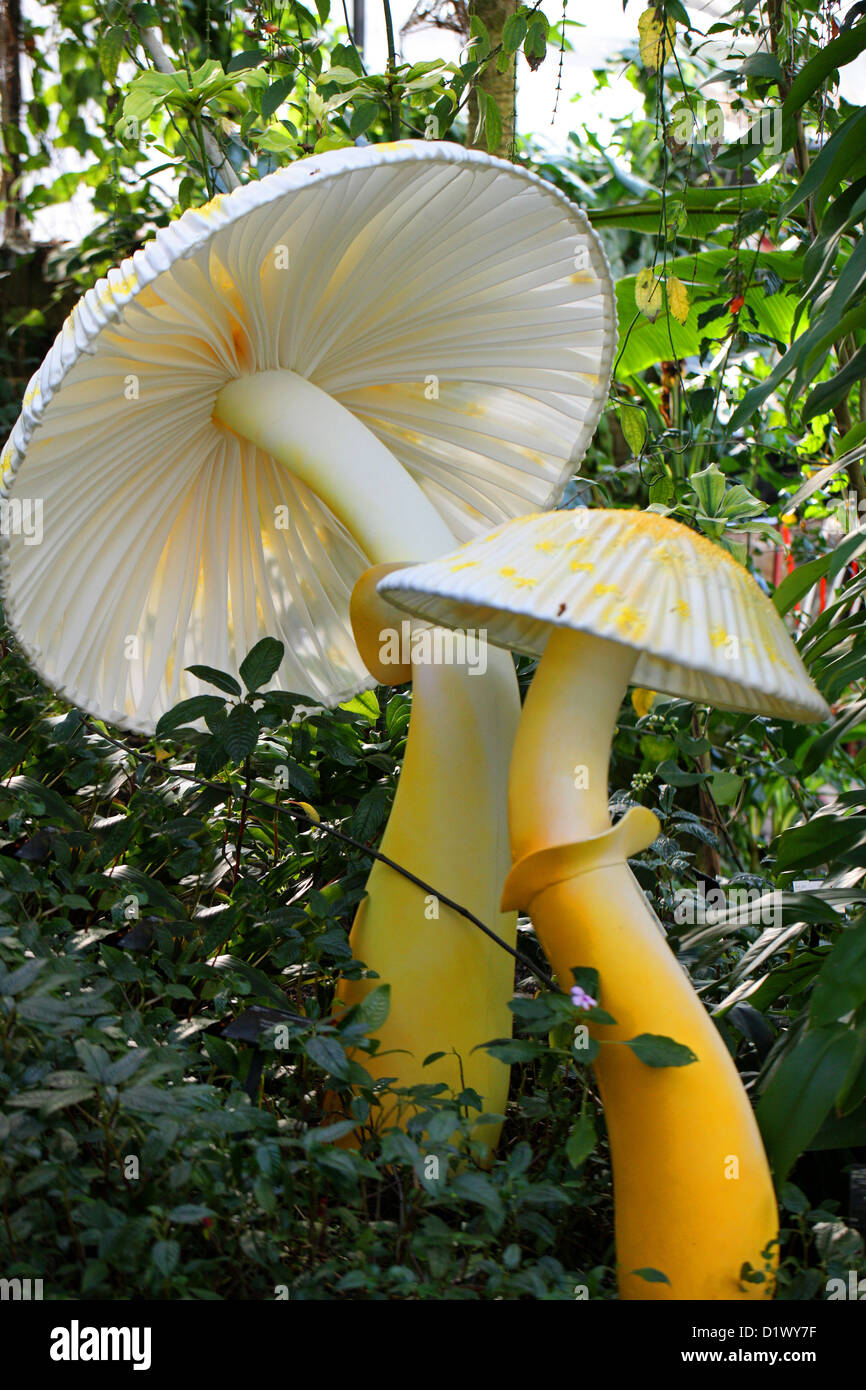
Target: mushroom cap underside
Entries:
(703, 628)
(459, 306)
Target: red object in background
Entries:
(736, 303)
(784, 549)
(822, 596)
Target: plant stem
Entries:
(393, 99)
(242, 822)
(162, 63)
(205, 163)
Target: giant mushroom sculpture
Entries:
(365, 357)
(604, 598)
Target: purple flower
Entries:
(581, 1000)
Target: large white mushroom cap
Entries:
(457, 305)
(702, 627)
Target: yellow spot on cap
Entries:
(630, 622)
(125, 284)
(207, 210)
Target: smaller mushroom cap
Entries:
(700, 623)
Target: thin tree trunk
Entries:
(499, 85)
(10, 111)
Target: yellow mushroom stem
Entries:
(692, 1189)
(450, 984)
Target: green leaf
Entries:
(725, 788)
(633, 424)
(363, 116)
(368, 815)
(829, 393)
(841, 1132)
(110, 50)
(643, 343)
(707, 210)
(582, 1139)
(799, 582)
(670, 772)
(656, 1050)
(240, 733)
(365, 703)
(165, 1256)
(492, 122)
(762, 65)
(187, 712)
(836, 54)
(515, 1050)
(261, 663)
(328, 1134)
(327, 1054)
(272, 99)
(792, 1199)
(841, 984)
(478, 31)
(375, 1007)
(249, 58)
(804, 577)
(830, 165)
(535, 46)
(514, 32)
(146, 16)
(55, 806)
(709, 487)
(475, 1187)
(189, 1214)
(221, 679)
(652, 1276)
(211, 757)
(148, 890)
(801, 1092)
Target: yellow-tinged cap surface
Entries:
(702, 626)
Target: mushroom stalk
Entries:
(340, 460)
(693, 1193)
(450, 985)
